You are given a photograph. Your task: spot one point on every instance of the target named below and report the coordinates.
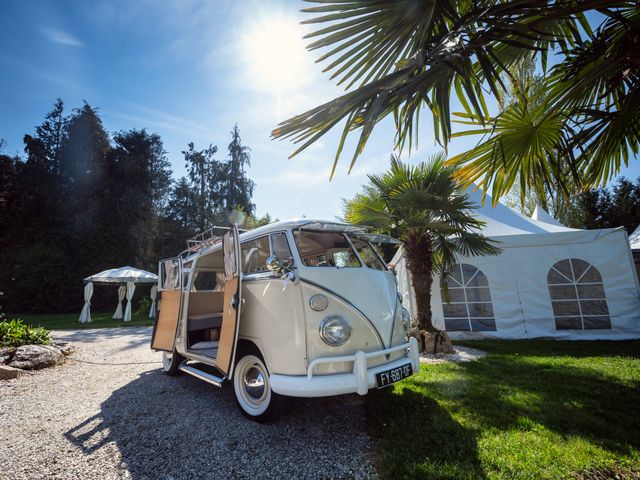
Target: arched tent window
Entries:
(467, 302)
(577, 296)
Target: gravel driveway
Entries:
(82, 420)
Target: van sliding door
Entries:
(170, 290)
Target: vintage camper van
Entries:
(302, 308)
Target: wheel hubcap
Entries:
(251, 384)
(254, 383)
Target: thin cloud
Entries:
(146, 116)
(63, 38)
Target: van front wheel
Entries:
(253, 389)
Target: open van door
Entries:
(167, 319)
(232, 302)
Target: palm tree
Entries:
(520, 143)
(573, 129)
(430, 212)
(404, 55)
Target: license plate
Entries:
(386, 378)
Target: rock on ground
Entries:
(35, 357)
(121, 417)
(7, 373)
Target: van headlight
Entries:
(335, 330)
(406, 320)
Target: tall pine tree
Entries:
(237, 188)
(203, 170)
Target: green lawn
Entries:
(528, 410)
(62, 321)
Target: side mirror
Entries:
(275, 265)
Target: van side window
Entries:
(280, 248)
(254, 254)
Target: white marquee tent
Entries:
(126, 278)
(634, 239)
(634, 242)
(548, 281)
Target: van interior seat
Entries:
(205, 310)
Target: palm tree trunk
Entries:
(420, 265)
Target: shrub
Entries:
(15, 333)
(42, 275)
(144, 304)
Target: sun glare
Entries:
(275, 54)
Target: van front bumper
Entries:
(359, 381)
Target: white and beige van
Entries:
(302, 308)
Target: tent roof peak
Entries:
(541, 215)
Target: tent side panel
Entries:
(507, 309)
(609, 254)
(520, 295)
(520, 292)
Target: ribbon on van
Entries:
(286, 278)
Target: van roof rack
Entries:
(206, 238)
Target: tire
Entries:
(252, 388)
(171, 362)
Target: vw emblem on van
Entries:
(318, 302)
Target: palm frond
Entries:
(422, 202)
(409, 55)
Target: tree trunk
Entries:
(420, 264)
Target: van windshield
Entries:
(368, 254)
(325, 249)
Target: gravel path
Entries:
(82, 420)
(462, 354)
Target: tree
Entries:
(78, 202)
(81, 198)
(204, 173)
(30, 220)
(84, 151)
(45, 148)
(137, 184)
(618, 207)
(182, 205)
(255, 222)
(237, 189)
(568, 210)
(217, 188)
(424, 207)
(407, 56)
(52, 134)
(523, 101)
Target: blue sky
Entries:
(188, 70)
